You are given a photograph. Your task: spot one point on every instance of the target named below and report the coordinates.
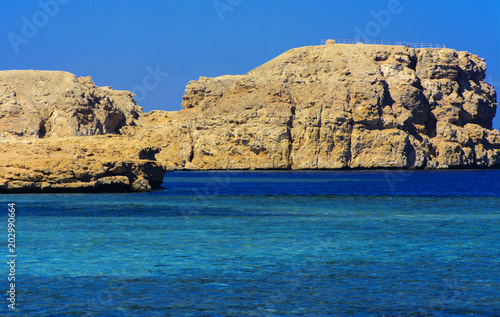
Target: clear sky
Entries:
(155, 48)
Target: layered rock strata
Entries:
(343, 106)
(322, 107)
(59, 133)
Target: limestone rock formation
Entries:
(77, 164)
(341, 106)
(57, 104)
(52, 128)
(322, 107)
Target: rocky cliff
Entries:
(57, 104)
(321, 107)
(59, 133)
(343, 106)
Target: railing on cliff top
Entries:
(384, 42)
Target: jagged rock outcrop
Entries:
(321, 107)
(78, 164)
(341, 106)
(57, 104)
(52, 128)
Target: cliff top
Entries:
(317, 107)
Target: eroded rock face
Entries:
(322, 107)
(52, 128)
(57, 104)
(77, 164)
(341, 106)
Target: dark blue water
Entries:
(348, 243)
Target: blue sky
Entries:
(155, 48)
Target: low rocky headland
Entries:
(341, 106)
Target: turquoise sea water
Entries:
(350, 243)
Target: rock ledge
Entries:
(336, 106)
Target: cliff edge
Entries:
(343, 106)
(59, 133)
(336, 106)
